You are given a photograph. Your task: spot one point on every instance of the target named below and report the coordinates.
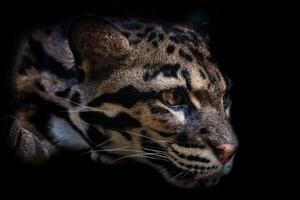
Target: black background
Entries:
(245, 39)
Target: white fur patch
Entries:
(65, 135)
(179, 115)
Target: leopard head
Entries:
(151, 92)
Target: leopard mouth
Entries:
(200, 161)
(198, 171)
(187, 166)
(193, 178)
(191, 168)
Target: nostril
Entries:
(225, 152)
(204, 131)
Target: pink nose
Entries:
(225, 152)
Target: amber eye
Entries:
(173, 97)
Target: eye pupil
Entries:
(175, 96)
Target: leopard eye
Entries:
(173, 97)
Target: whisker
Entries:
(118, 149)
(155, 150)
(107, 150)
(187, 172)
(137, 134)
(97, 146)
(144, 155)
(103, 143)
(174, 178)
(130, 150)
(83, 106)
(77, 111)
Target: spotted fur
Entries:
(95, 85)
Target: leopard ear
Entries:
(96, 43)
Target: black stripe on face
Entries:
(202, 73)
(197, 55)
(148, 143)
(75, 99)
(127, 97)
(168, 70)
(121, 121)
(158, 110)
(190, 166)
(190, 157)
(96, 136)
(185, 55)
(125, 134)
(187, 77)
(164, 134)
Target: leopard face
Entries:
(152, 93)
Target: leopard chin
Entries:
(188, 179)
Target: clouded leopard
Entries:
(123, 88)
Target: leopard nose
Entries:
(226, 151)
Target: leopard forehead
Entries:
(162, 42)
(163, 48)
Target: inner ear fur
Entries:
(97, 43)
